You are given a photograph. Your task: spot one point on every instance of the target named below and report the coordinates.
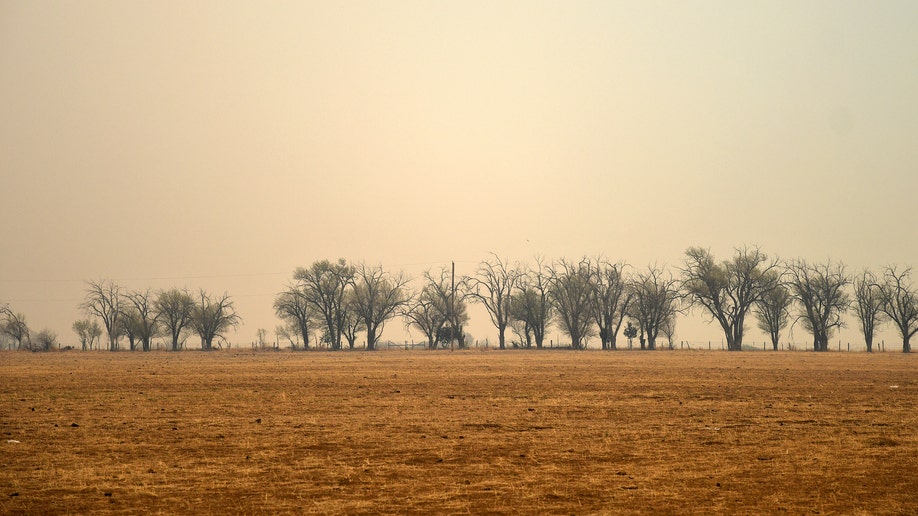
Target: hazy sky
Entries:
(222, 144)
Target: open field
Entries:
(464, 432)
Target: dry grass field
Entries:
(466, 432)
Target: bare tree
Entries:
(728, 290)
(349, 322)
(531, 304)
(611, 297)
(46, 340)
(292, 306)
(144, 317)
(656, 299)
(868, 305)
(213, 317)
(325, 285)
(492, 286)
(454, 296)
(261, 338)
(128, 324)
(571, 295)
(773, 311)
(16, 328)
(288, 333)
(900, 303)
(668, 329)
(820, 290)
(378, 297)
(87, 330)
(428, 313)
(175, 309)
(103, 300)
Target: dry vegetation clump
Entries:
(465, 432)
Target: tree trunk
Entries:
(869, 341)
(371, 340)
(501, 339)
(906, 345)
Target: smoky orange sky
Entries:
(222, 144)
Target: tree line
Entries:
(332, 302)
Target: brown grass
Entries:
(466, 432)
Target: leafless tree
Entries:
(492, 286)
(45, 340)
(16, 328)
(128, 323)
(819, 288)
(453, 295)
(428, 313)
(103, 300)
(175, 309)
(571, 295)
(292, 306)
(531, 305)
(611, 297)
(668, 329)
(213, 317)
(773, 311)
(144, 316)
(656, 298)
(728, 290)
(900, 302)
(288, 333)
(261, 338)
(325, 285)
(350, 323)
(87, 330)
(868, 305)
(378, 297)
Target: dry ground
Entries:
(465, 432)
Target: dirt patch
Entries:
(439, 432)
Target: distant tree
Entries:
(141, 304)
(728, 290)
(292, 306)
(351, 325)
(531, 304)
(288, 333)
(630, 333)
(668, 329)
(819, 288)
(492, 286)
(261, 338)
(128, 325)
(325, 285)
(213, 317)
(453, 295)
(900, 303)
(175, 310)
(87, 330)
(427, 313)
(45, 340)
(868, 305)
(611, 297)
(571, 295)
(377, 297)
(773, 311)
(103, 300)
(656, 298)
(16, 328)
